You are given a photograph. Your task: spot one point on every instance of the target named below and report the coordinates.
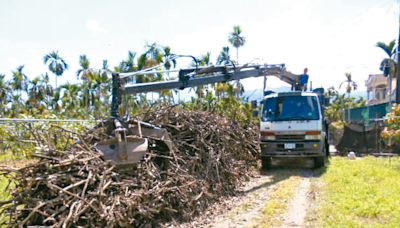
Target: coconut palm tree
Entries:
(236, 40)
(350, 84)
(56, 64)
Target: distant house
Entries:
(377, 89)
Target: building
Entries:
(377, 89)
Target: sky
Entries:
(330, 38)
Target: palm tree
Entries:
(19, 80)
(205, 60)
(88, 76)
(387, 48)
(224, 56)
(128, 65)
(236, 40)
(167, 58)
(151, 57)
(56, 64)
(388, 65)
(70, 96)
(18, 84)
(84, 73)
(40, 93)
(4, 93)
(350, 84)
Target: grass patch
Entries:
(361, 193)
(16, 161)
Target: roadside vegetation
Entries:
(360, 193)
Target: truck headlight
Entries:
(267, 135)
(313, 135)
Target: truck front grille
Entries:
(289, 137)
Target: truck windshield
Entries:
(291, 108)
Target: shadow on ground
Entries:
(284, 168)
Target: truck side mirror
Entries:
(255, 113)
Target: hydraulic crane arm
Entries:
(193, 77)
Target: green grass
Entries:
(361, 193)
(9, 159)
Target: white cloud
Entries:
(94, 26)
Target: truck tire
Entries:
(319, 162)
(265, 162)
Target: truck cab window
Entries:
(286, 108)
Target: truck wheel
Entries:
(266, 162)
(319, 162)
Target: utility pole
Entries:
(398, 66)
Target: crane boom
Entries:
(214, 75)
(193, 77)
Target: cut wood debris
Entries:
(210, 157)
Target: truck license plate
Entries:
(290, 145)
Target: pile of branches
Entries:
(210, 158)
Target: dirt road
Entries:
(279, 197)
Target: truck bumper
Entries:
(301, 149)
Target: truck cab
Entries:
(293, 125)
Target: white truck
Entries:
(293, 125)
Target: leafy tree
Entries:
(391, 132)
(340, 102)
(56, 64)
(237, 40)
